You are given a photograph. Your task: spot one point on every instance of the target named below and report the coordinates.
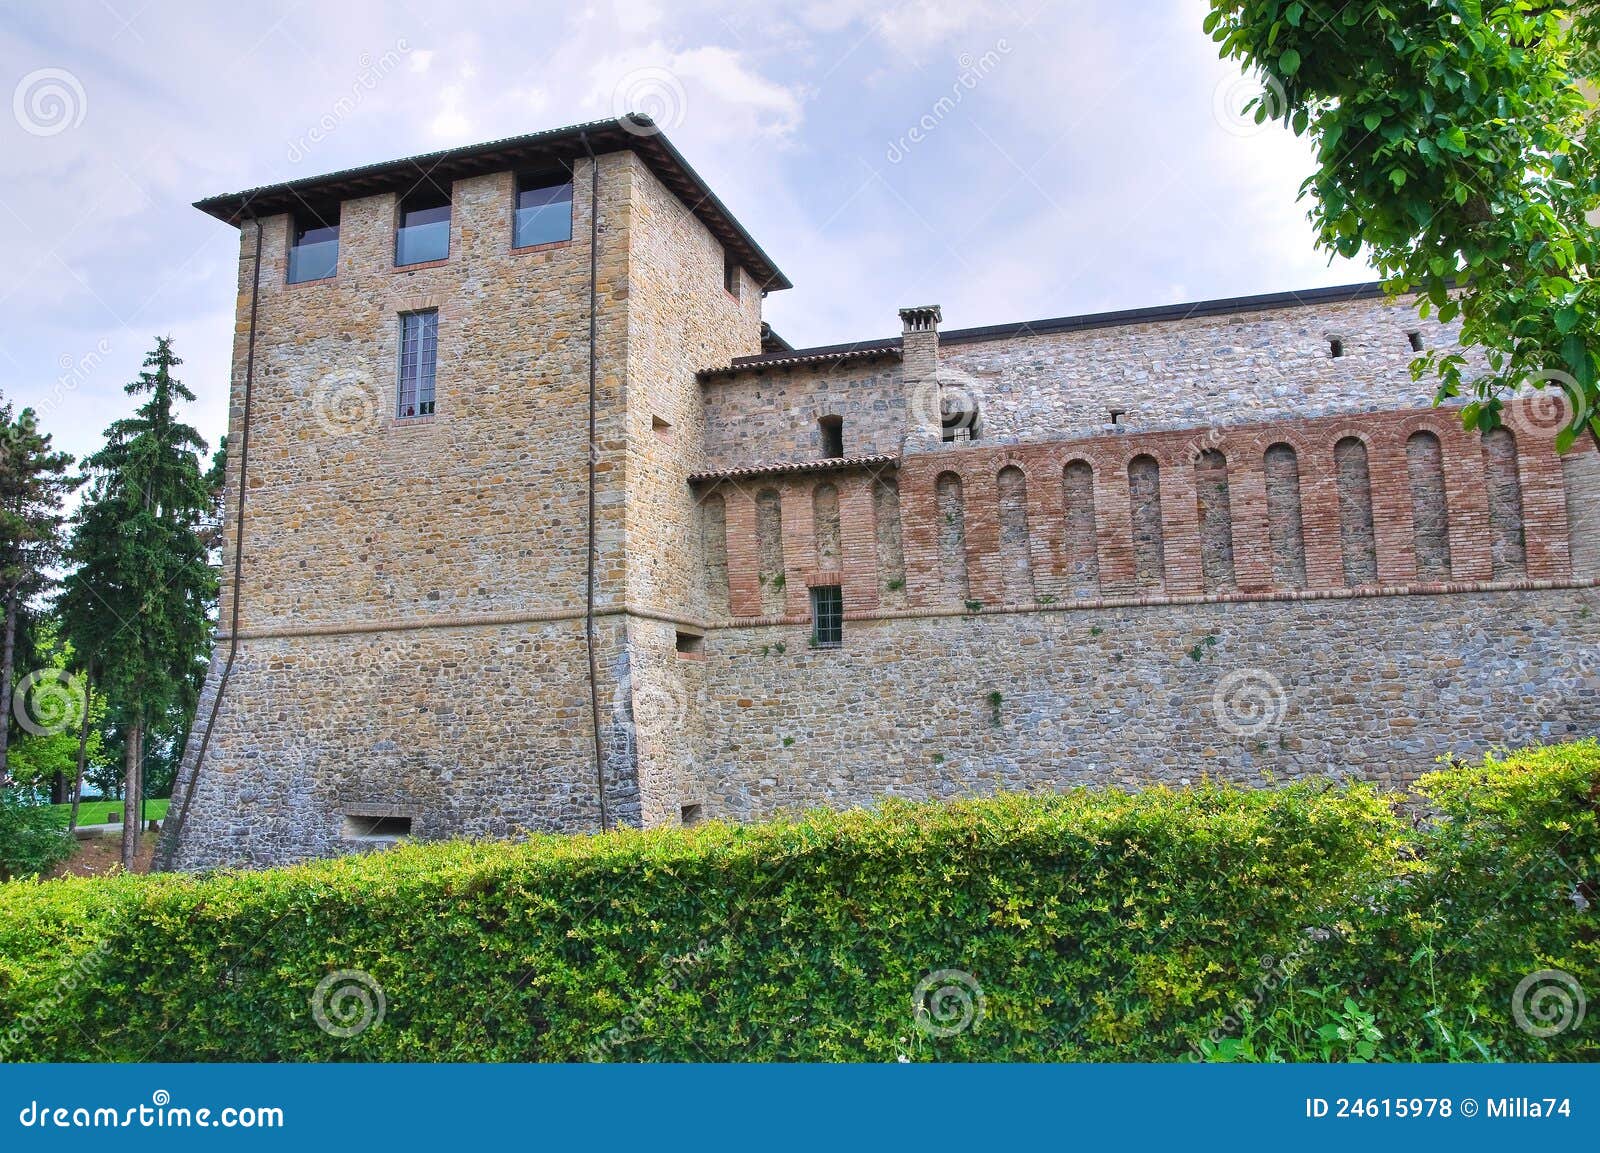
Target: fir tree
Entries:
(33, 485)
(135, 605)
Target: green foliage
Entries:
(1454, 146)
(32, 838)
(37, 758)
(1234, 924)
(135, 607)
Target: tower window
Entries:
(827, 616)
(314, 246)
(832, 430)
(424, 227)
(730, 274)
(544, 209)
(691, 644)
(692, 815)
(1335, 347)
(1416, 341)
(419, 357)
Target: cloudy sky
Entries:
(1008, 161)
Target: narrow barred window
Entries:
(419, 355)
(827, 616)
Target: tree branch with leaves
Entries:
(1455, 147)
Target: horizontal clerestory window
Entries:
(314, 245)
(422, 232)
(544, 209)
(419, 360)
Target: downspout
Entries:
(170, 835)
(593, 448)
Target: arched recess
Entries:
(1016, 561)
(1144, 500)
(891, 553)
(1285, 532)
(714, 543)
(1357, 540)
(1508, 553)
(1215, 513)
(1430, 518)
(825, 526)
(952, 513)
(769, 551)
(1082, 547)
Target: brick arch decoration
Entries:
(1347, 536)
(1016, 549)
(1358, 545)
(954, 579)
(1430, 512)
(1215, 514)
(1508, 557)
(1080, 543)
(1280, 463)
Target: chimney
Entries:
(919, 374)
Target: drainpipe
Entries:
(167, 851)
(593, 449)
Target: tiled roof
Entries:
(827, 464)
(831, 354)
(633, 132)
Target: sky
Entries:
(1008, 161)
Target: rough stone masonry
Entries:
(1230, 538)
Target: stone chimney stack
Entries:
(919, 373)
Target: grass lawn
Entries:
(94, 812)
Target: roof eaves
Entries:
(827, 464)
(633, 132)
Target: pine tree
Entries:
(135, 605)
(33, 485)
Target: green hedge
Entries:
(1084, 926)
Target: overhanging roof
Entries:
(633, 133)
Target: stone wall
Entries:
(1251, 366)
(1258, 691)
(480, 731)
(772, 415)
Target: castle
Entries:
(533, 525)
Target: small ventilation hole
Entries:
(1335, 347)
(1416, 341)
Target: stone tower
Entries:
(420, 633)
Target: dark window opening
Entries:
(1335, 347)
(1117, 414)
(544, 209)
(360, 827)
(1416, 341)
(832, 429)
(691, 644)
(314, 245)
(419, 358)
(423, 233)
(730, 274)
(827, 617)
(692, 815)
(958, 426)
